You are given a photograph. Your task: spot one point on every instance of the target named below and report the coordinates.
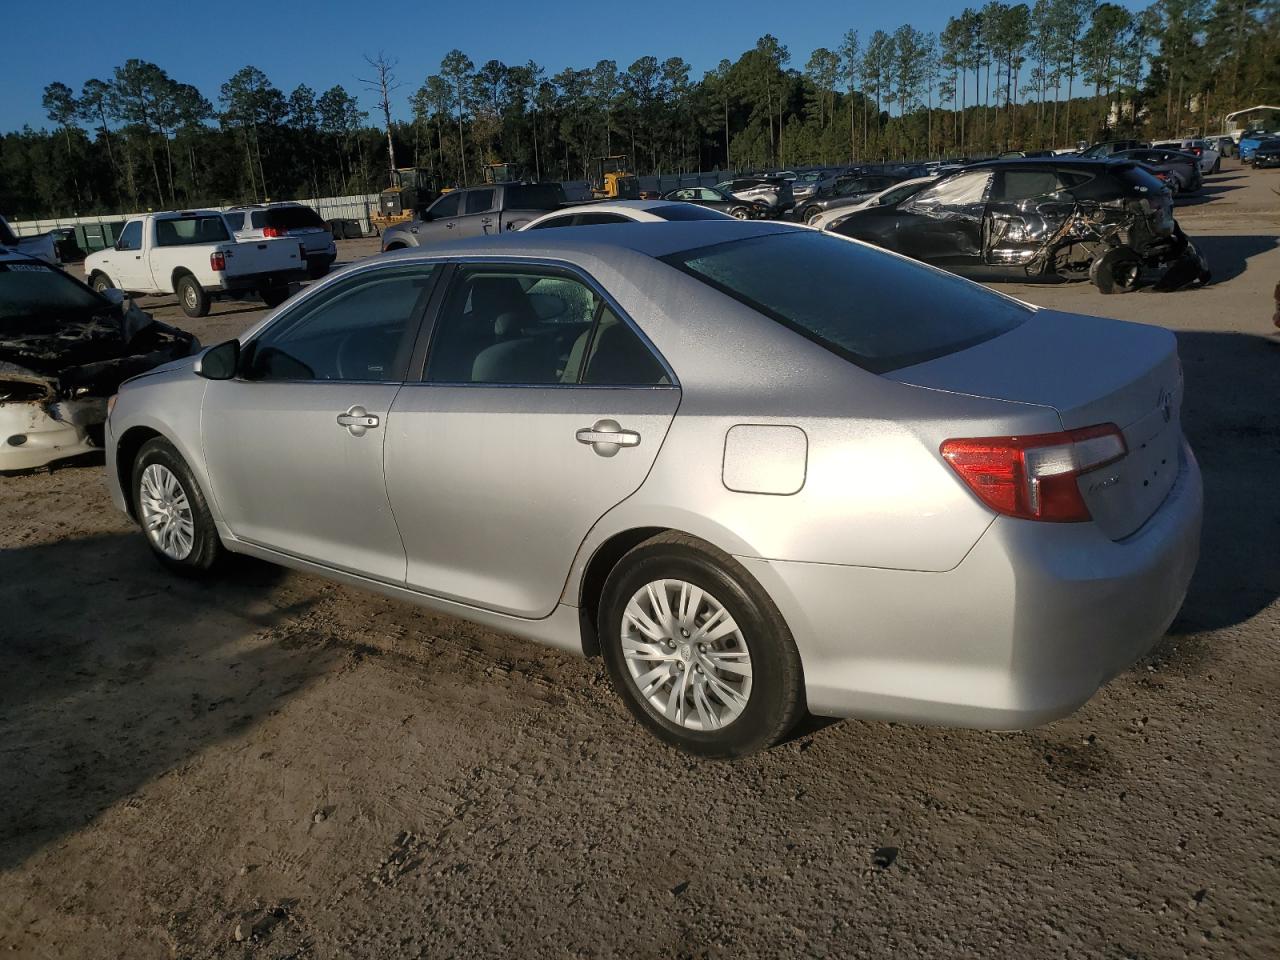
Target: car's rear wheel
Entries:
(812, 214)
(172, 510)
(192, 297)
(697, 650)
(274, 296)
(740, 213)
(1217, 165)
(1119, 270)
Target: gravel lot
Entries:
(275, 766)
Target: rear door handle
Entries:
(606, 437)
(357, 420)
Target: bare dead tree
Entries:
(384, 83)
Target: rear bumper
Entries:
(1024, 630)
(256, 281)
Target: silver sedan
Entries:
(757, 468)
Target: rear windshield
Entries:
(294, 218)
(535, 196)
(875, 309)
(187, 230)
(686, 211)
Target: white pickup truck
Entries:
(193, 254)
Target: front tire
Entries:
(101, 283)
(811, 214)
(740, 213)
(192, 297)
(173, 512)
(697, 650)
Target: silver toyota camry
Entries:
(756, 468)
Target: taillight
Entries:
(272, 232)
(217, 261)
(1196, 151)
(1034, 477)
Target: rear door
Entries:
(1027, 205)
(541, 407)
(478, 215)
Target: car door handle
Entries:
(606, 437)
(357, 420)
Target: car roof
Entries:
(1078, 163)
(648, 239)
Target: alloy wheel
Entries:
(166, 513)
(686, 655)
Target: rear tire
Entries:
(274, 296)
(173, 512)
(695, 694)
(1116, 271)
(811, 214)
(740, 213)
(192, 297)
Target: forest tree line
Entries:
(1002, 76)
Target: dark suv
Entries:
(1059, 219)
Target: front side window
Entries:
(130, 236)
(565, 221)
(533, 327)
(359, 330)
(446, 206)
(876, 310)
(959, 194)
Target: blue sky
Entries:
(321, 42)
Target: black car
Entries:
(716, 200)
(1266, 154)
(845, 192)
(1107, 148)
(1181, 171)
(1039, 220)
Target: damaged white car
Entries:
(64, 350)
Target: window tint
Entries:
(620, 358)
(446, 206)
(687, 211)
(1030, 184)
(594, 219)
(534, 196)
(957, 192)
(361, 329)
(258, 219)
(510, 326)
(294, 218)
(565, 221)
(479, 201)
(535, 327)
(130, 236)
(872, 308)
(191, 230)
(235, 219)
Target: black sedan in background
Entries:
(1045, 220)
(717, 200)
(1266, 154)
(845, 193)
(1181, 171)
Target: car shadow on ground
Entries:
(115, 672)
(1229, 256)
(1231, 415)
(1207, 193)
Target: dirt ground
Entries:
(274, 766)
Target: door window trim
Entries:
(438, 268)
(426, 333)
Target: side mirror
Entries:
(220, 362)
(113, 295)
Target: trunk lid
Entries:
(1090, 371)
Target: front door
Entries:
(942, 224)
(540, 409)
(294, 444)
(127, 265)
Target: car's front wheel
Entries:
(172, 510)
(740, 213)
(697, 650)
(812, 214)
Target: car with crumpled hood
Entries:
(64, 351)
(1040, 220)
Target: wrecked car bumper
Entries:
(34, 434)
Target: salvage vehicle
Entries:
(257, 221)
(1266, 154)
(846, 192)
(888, 197)
(476, 212)
(676, 446)
(624, 211)
(43, 246)
(1203, 149)
(771, 194)
(65, 349)
(715, 199)
(1042, 220)
(193, 254)
(1181, 171)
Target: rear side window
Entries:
(294, 218)
(594, 219)
(479, 201)
(686, 211)
(535, 196)
(1033, 184)
(191, 230)
(872, 308)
